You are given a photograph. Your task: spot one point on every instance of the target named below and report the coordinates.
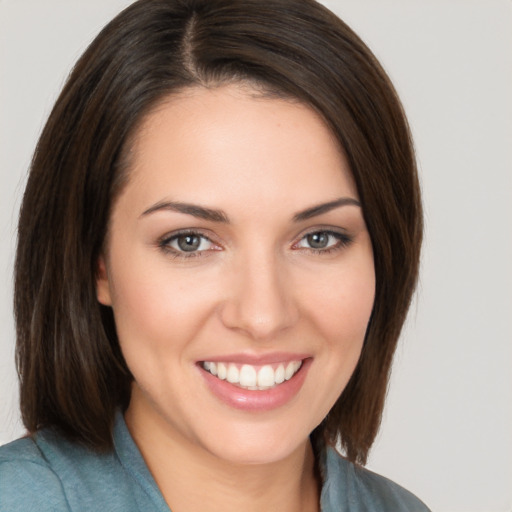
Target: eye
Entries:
(323, 241)
(187, 244)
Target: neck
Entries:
(191, 479)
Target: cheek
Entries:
(344, 303)
(156, 308)
(339, 311)
(343, 309)
(156, 320)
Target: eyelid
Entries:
(164, 241)
(344, 239)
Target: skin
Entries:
(254, 287)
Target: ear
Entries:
(102, 283)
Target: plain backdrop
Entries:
(447, 429)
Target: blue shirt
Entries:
(48, 473)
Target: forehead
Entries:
(232, 143)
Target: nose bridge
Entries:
(261, 300)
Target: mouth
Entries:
(256, 383)
(253, 377)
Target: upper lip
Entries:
(258, 359)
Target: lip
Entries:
(257, 401)
(258, 359)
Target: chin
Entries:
(256, 444)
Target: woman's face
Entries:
(240, 273)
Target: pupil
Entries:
(318, 240)
(188, 243)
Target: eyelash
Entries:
(343, 240)
(164, 244)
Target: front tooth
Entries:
(221, 371)
(279, 374)
(266, 376)
(248, 376)
(290, 370)
(233, 375)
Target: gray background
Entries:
(447, 430)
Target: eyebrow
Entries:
(200, 212)
(324, 208)
(210, 214)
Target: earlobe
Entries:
(102, 283)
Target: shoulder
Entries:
(46, 472)
(354, 488)
(27, 482)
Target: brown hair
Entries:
(72, 373)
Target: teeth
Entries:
(248, 376)
(222, 371)
(233, 375)
(288, 373)
(279, 374)
(266, 376)
(251, 377)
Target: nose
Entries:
(260, 299)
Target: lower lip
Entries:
(253, 400)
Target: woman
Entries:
(218, 244)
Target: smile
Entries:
(247, 376)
